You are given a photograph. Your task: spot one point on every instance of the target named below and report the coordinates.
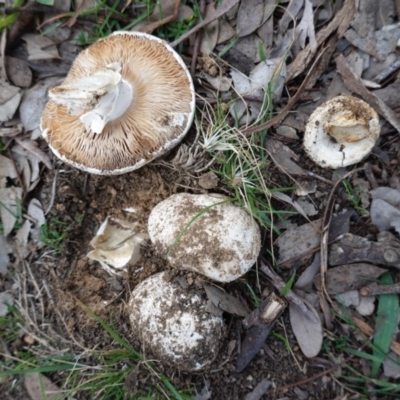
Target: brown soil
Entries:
(84, 201)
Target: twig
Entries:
(376, 290)
(219, 13)
(277, 119)
(53, 193)
(197, 41)
(326, 222)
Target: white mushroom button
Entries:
(127, 99)
(207, 234)
(173, 324)
(341, 132)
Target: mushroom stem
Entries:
(97, 99)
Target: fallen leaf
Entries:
(297, 242)
(391, 366)
(286, 199)
(5, 250)
(10, 206)
(367, 330)
(306, 27)
(211, 31)
(349, 277)
(10, 98)
(7, 170)
(354, 84)
(18, 72)
(249, 17)
(291, 12)
(21, 239)
(33, 148)
(307, 327)
(384, 216)
(39, 387)
(259, 390)
(40, 47)
(283, 157)
(34, 101)
(225, 301)
(6, 300)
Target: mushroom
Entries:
(117, 245)
(207, 234)
(127, 99)
(341, 132)
(173, 323)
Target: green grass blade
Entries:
(386, 324)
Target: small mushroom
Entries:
(173, 323)
(127, 99)
(207, 234)
(341, 132)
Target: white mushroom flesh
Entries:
(341, 132)
(174, 324)
(206, 234)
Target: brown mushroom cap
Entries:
(157, 119)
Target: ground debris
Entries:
(355, 249)
(259, 324)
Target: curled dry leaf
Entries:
(306, 27)
(117, 245)
(225, 301)
(349, 277)
(211, 31)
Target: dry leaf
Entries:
(307, 327)
(249, 17)
(297, 242)
(33, 149)
(384, 216)
(290, 14)
(10, 204)
(211, 31)
(39, 387)
(21, 239)
(306, 27)
(225, 301)
(283, 157)
(34, 101)
(286, 199)
(10, 98)
(354, 84)
(6, 300)
(7, 170)
(348, 277)
(5, 250)
(18, 72)
(259, 390)
(40, 47)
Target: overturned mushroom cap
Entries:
(174, 324)
(127, 99)
(341, 132)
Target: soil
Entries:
(83, 202)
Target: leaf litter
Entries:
(366, 48)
